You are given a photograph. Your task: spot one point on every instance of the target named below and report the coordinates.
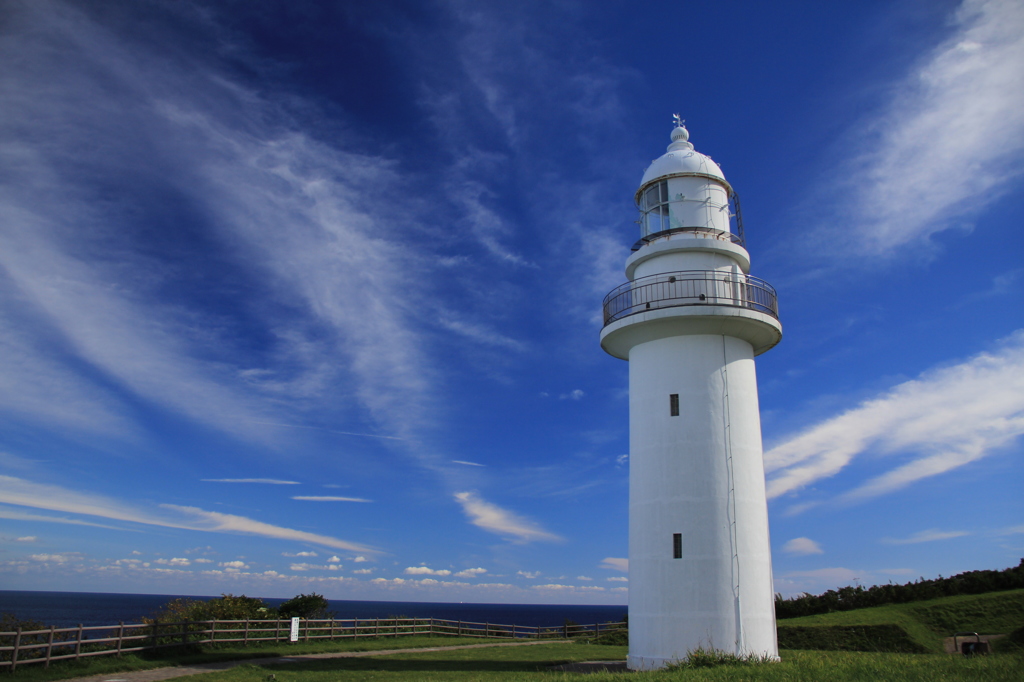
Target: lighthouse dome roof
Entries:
(681, 158)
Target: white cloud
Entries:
(471, 573)
(926, 536)
(493, 518)
(300, 567)
(802, 546)
(328, 498)
(176, 561)
(62, 558)
(233, 564)
(575, 394)
(423, 570)
(270, 481)
(529, 574)
(360, 559)
(947, 418)
(615, 564)
(17, 491)
(469, 464)
(584, 577)
(294, 217)
(334, 560)
(27, 538)
(618, 579)
(363, 571)
(951, 139)
(218, 522)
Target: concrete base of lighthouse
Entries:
(700, 561)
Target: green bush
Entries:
(309, 606)
(224, 607)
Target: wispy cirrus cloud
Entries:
(943, 420)
(329, 498)
(950, 140)
(17, 491)
(926, 536)
(494, 519)
(254, 201)
(269, 481)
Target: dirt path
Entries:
(155, 674)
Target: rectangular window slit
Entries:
(677, 545)
(673, 404)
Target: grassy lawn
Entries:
(524, 664)
(100, 665)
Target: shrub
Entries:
(307, 606)
(224, 607)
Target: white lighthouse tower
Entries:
(690, 321)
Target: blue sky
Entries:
(306, 296)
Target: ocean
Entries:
(68, 609)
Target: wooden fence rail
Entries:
(23, 647)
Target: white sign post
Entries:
(294, 637)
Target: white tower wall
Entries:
(690, 322)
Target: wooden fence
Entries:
(23, 647)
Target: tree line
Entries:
(849, 598)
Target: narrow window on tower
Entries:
(673, 404)
(677, 545)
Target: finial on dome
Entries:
(680, 135)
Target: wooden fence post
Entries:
(245, 637)
(14, 654)
(78, 643)
(120, 637)
(49, 646)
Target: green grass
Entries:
(526, 664)
(926, 623)
(102, 665)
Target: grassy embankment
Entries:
(909, 628)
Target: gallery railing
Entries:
(690, 288)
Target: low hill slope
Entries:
(917, 626)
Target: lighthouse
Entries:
(690, 320)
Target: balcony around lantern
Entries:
(690, 288)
